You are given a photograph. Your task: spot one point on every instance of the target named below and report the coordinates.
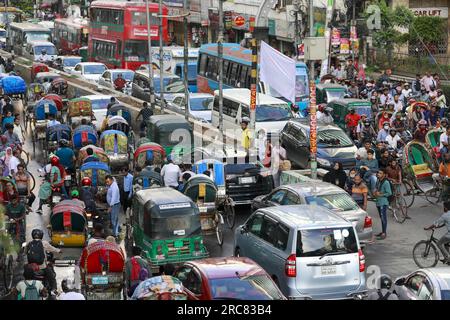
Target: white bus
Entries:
(18, 35)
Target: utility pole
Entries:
(253, 75)
(161, 60)
(220, 54)
(150, 60)
(185, 68)
(312, 102)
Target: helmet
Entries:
(54, 161)
(37, 234)
(86, 182)
(245, 120)
(67, 284)
(444, 120)
(385, 282)
(422, 122)
(63, 142)
(75, 193)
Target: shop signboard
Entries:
(335, 37)
(271, 24)
(345, 46)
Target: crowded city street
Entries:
(148, 156)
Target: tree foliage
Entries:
(391, 20)
(428, 29)
(24, 5)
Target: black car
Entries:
(243, 181)
(333, 145)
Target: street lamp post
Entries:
(161, 60)
(185, 58)
(150, 60)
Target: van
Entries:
(309, 251)
(141, 84)
(34, 49)
(272, 113)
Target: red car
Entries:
(234, 278)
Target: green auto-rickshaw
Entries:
(172, 132)
(342, 107)
(328, 92)
(166, 225)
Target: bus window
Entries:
(226, 64)
(119, 48)
(135, 50)
(213, 65)
(233, 74)
(202, 65)
(230, 107)
(243, 78)
(140, 19)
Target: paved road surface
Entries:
(393, 255)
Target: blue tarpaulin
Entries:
(13, 85)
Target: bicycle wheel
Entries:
(219, 231)
(33, 180)
(432, 195)
(408, 194)
(8, 273)
(229, 213)
(25, 157)
(400, 210)
(425, 254)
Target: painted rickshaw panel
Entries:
(149, 151)
(108, 141)
(43, 108)
(99, 152)
(84, 133)
(102, 256)
(160, 288)
(56, 99)
(218, 170)
(147, 178)
(120, 110)
(80, 107)
(97, 171)
(58, 132)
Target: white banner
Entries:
(277, 71)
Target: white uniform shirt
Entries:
(443, 138)
(71, 295)
(171, 174)
(393, 141)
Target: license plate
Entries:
(203, 209)
(327, 270)
(90, 224)
(99, 280)
(68, 178)
(246, 180)
(56, 199)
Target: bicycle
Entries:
(6, 259)
(398, 206)
(427, 250)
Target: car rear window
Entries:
(240, 168)
(445, 294)
(318, 242)
(253, 287)
(337, 201)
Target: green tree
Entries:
(428, 30)
(24, 5)
(392, 21)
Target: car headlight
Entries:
(323, 162)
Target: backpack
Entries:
(31, 292)
(385, 297)
(392, 196)
(36, 252)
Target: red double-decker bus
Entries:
(118, 32)
(71, 34)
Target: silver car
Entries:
(309, 251)
(324, 194)
(424, 284)
(109, 76)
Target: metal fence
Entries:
(409, 64)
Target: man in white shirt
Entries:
(52, 121)
(393, 138)
(14, 162)
(324, 116)
(428, 81)
(68, 293)
(406, 92)
(171, 174)
(385, 98)
(443, 139)
(398, 105)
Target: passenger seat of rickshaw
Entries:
(421, 168)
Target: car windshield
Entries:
(338, 201)
(180, 226)
(319, 242)
(240, 168)
(37, 36)
(136, 51)
(98, 104)
(363, 109)
(94, 69)
(127, 75)
(335, 95)
(254, 287)
(273, 112)
(201, 104)
(168, 82)
(51, 50)
(2, 33)
(445, 294)
(71, 62)
(333, 138)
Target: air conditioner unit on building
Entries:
(315, 48)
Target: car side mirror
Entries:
(244, 229)
(400, 282)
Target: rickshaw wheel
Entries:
(34, 144)
(219, 233)
(25, 157)
(407, 190)
(229, 213)
(432, 196)
(8, 272)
